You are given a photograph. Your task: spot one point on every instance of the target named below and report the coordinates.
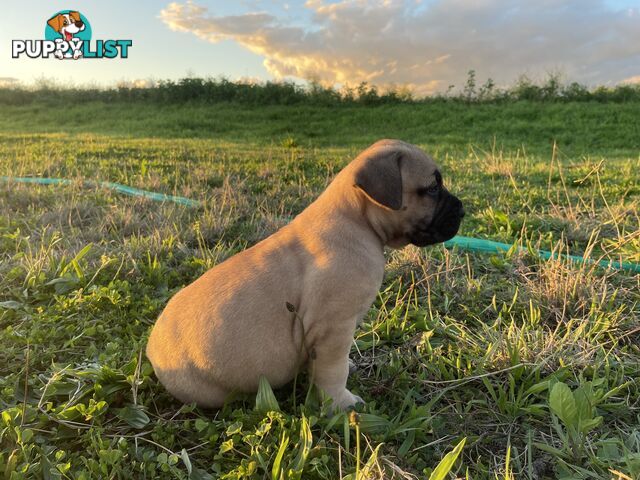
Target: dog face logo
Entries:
(67, 24)
(68, 28)
(67, 35)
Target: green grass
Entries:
(445, 127)
(535, 363)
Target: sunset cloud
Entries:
(6, 82)
(430, 45)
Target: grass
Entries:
(591, 129)
(534, 363)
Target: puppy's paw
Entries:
(346, 400)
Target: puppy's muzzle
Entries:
(444, 224)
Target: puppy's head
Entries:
(406, 193)
(67, 24)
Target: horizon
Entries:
(476, 91)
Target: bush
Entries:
(220, 90)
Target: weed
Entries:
(531, 365)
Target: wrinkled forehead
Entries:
(416, 163)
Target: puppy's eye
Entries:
(65, 23)
(430, 190)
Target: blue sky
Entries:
(426, 45)
(157, 52)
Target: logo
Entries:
(68, 36)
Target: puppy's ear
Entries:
(56, 22)
(379, 177)
(75, 16)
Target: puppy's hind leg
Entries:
(189, 387)
(208, 395)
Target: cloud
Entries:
(8, 82)
(429, 45)
(137, 83)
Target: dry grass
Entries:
(457, 344)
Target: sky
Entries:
(425, 45)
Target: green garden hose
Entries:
(488, 246)
(465, 243)
(118, 187)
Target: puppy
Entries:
(67, 25)
(235, 323)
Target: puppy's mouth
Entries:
(68, 36)
(442, 227)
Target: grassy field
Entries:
(535, 363)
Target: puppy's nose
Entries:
(79, 23)
(457, 206)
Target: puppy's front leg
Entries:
(330, 365)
